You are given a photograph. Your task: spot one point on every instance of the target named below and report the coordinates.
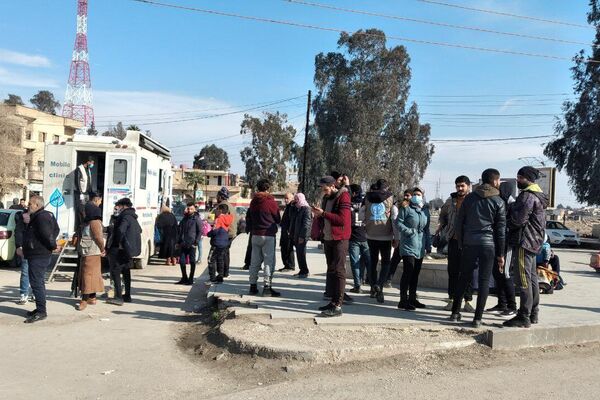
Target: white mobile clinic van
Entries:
(136, 167)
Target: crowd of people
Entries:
(485, 229)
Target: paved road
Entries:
(107, 352)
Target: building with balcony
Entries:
(36, 128)
(212, 182)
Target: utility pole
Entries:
(303, 182)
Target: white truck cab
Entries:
(137, 167)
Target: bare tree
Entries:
(11, 155)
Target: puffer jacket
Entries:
(482, 219)
(413, 225)
(527, 219)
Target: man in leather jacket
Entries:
(481, 232)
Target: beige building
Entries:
(215, 180)
(35, 129)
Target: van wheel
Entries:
(141, 263)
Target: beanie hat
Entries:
(327, 180)
(530, 173)
(224, 193)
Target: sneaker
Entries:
(379, 295)
(32, 313)
(417, 304)
(468, 307)
(326, 307)
(448, 306)
(253, 290)
(533, 318)
(334, 311)
(36, 317)
(219, 279)
(456, 317)
(356, 289)
(387, 284)
(326, 296)
(268, 291)
(476, 323)
(285, 269)
(31, 298)
(348, 299)
(373, 292)
(22, 300)
(508, 313)
(301, 276)
(519, 321)
(497, 308)
(184, 281)
(127, 298)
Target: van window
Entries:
(4, 217)
(120, 172)
(143, 173)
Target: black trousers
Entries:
(377, 247)
(505, 288)
(216, 261)
(227, 258)
(555, 264)
(191, 253)
(410, 277)
(454, 256)
(287, 251)
(395, 261)
(301, 256)
(120, 266)
(248, 257)
(474, 257)
(37, 280)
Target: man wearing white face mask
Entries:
(413, 224)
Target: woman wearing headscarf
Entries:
(91, 249)
(300, 228)
(167, 226)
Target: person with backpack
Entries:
(379, 214)
(123, 243)
(39, 241)
(190, 233)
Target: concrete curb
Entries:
(541, 336)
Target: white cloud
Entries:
(16, 79)
(23, 59)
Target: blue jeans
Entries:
(359, 256)
(199, 251)
(25, 289)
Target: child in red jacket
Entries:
(219, 241)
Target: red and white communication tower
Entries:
(78, 99)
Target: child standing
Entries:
(219, 242)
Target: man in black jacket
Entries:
(481, 232)
(118, 243)
(39, 240)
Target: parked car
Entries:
(561, 235)
(7, 235)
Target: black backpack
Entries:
(132, 241)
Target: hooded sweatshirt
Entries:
(527, 219)
(263, 215)
(481, 220)
(219, 235)
(379, 214)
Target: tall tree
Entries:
(133, 127)
(315, 165)
(213, 158)
(13, 100)
(11, 155)
(576, 148)
(271, 150)
(117, 131)
(44, 101)
(92, 130)
(361, 114)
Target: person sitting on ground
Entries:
(219, 243)
(547, 259)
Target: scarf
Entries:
(300, 200)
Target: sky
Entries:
(156, 66)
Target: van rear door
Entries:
(118, 181)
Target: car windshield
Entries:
(560, 226)
(4, 217)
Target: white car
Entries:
(560, 234)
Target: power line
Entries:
(435, 23)
(328, 29)
(505, 14)
(507, 139)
